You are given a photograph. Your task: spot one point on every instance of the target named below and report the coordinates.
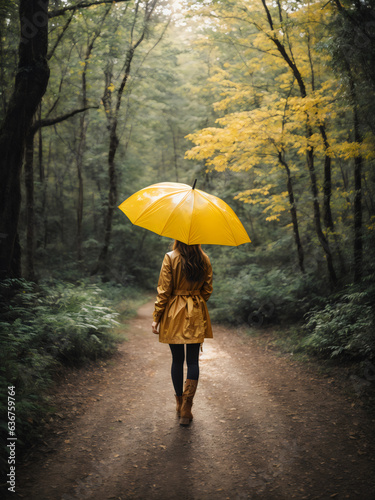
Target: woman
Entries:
(185, 285)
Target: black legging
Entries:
(177, 370)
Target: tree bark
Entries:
(112, 200)
(293, 213)
(175, 156)
(2, 57)
(327, 185)
(44, 180)
(30, 219)
(358, 244)
(30, 85)
(358, 163)
(79, 162)
(81, 5)
(94, 217)
(317, 220)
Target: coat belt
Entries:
(189, 294)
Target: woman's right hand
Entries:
(154, 328)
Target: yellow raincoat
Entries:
(180, 306)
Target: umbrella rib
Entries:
(221, 212)
(191, 218)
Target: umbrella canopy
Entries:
(186, 214)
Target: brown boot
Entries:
(178, 404)
(187, 401)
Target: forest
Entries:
(269, 105)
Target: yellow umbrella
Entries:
(186, 214)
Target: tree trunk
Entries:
(30, 85)
(94, 217)
(79, 161)
(175, 155)
(293, 213)
(317, 220)
(113, 145)
(30, 219)
(29, 188)
(358, 162)
(29, 183)
(327, 193)
(112, 201)
(79, 212)
(44, 179)
(82, 135)
(327, 185)
(370, 203)
(2, 58)
(358, 246)
(113, 116)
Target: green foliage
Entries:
(245, 285)
(43, 328)
(345, 326)
(62, 320)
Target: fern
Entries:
(43, 327)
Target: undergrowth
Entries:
(48, 326)
(345, 326)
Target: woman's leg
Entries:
(177, 369)
(192, 360)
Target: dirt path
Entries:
(263, 429)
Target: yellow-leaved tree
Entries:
(280, 111)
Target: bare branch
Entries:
(134, 21)
(46, 122)
(59, 38)
(81, 5)
(270, 22)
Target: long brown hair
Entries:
(193, 261)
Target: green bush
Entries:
(345, 327)
(276, 293)
(60, 320)
(42, 328)
(264, 280)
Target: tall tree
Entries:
(285, 50)
(29, 182)
(30, 86)
(82, 131)
(353, 49)
(113, 114)
(277, 33)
